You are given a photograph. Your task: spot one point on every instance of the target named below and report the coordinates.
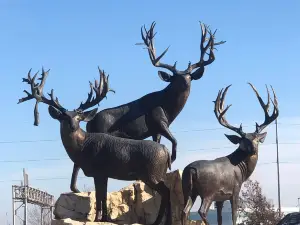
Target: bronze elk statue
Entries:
(104, 156)
(152, 114)
(221, 179)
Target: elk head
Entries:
(248, 141)
(181, 79)
(56, 110)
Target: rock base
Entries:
(134, 204)
(73, 222)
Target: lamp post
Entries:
(278, 173)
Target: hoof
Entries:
(98, 218)
(75, 190)
(108, 220)
(103, 219)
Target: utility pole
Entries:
(278, 173)
(24, 194)
(25, 177)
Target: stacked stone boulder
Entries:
(134, 204)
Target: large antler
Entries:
(148, 39)
(100, 90)
(268, 119)
(38, 95)
(220, 112)
(203, 48)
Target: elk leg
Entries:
(100, 196)
(188, 202)
(156, 138)
(158, 123)
(205, 204)
(74, 179)
(234, 203)
(219, 212)
(165, 204)
(104, 202)
(167, 134)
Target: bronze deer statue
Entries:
(221, 179)
(152, 114)
(104, 156)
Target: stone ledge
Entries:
(134, 204)
(73, 222)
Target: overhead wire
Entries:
(181, 151)
(179, 131)
(68, 178)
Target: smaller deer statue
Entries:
(104, 156)
(221, 179)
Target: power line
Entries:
(188, 150)
(67, 178)
(181, 151)
(179, 131)
(28, 141)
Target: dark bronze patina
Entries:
(104, 156)
(152, 114)
(221, 179)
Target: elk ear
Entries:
(262, 137)
(165, 76)
(198, 73)
(234, 138)
(54, 113)
(89, 115)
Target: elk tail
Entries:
(187, 189)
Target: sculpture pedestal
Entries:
(134, 204)
(74, 222)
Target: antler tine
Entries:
(209, 40)
(100, 90)
(203, 48)
(275, 105)
(38, 95)
(220, 112)
(43, 78)
(53, 102)
(148, 39)
(268, 119)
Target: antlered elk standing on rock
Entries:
(103, 156)
(152, 114)
(221, 179)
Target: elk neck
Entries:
(73, 141)
(244, 161)
(175, 99)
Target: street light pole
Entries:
(278, 173)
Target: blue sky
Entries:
(72, 39)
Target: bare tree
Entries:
(255, 207)
(87, 188)
(34, 216)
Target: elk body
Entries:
(221, 179)
(104, 156)
(152, 114)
